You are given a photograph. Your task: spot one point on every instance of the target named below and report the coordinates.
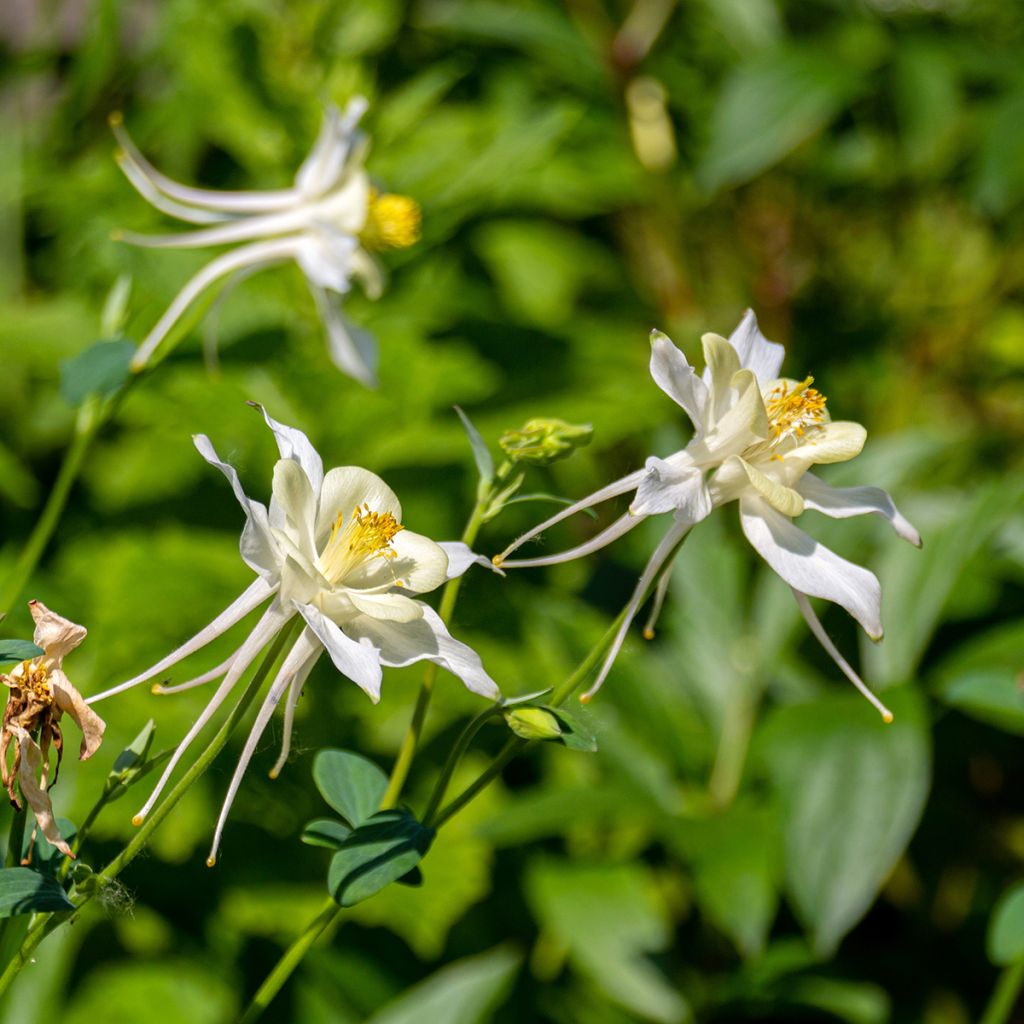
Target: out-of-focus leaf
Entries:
(381, 850)
(994, 696)
(852, 789)
(851, 1001)
(577, 733)
(1005, 942)
(351, 784)
(999, 182)
(772, 103)
(24, 891)
(608, 916)
(134, 754)
(18, 650)
(737, 865)
(928, 102)
(17, 484)
(465, 992)
(325, 832)
(164, 992)
(481, 453)
(99, 370)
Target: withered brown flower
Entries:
(40, 694)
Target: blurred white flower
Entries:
(756, 435)
(328, 222)
(40, 694)
(332, 549)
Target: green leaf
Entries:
(23, 891)
(380, 851)
(1005, 941)
(481, 453)
(853, 789)
(100, 370)
(769, 105)
(608, 916)
(990, 695)
(325, 832)
(133, 755)
(40, 853)
(18, 650)
(576, 731)
(350, 783)
(465, 992)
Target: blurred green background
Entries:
(749, 843)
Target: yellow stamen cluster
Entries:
(791, 410)
(366, 533)
(392, 222)
(34, 681)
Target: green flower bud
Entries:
(533, 724)
(542, 441)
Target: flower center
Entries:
(35, 682)
(366, 533)
(793, 408)
(392, 222)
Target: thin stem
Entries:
(49, 922)
(466, 737)
(407, 751)
(1006, 995)
(15, 842)
(737, 728)
(274, 981)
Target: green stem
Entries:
(49, 922)
(1006, 995)
(285, 967)
(727, 771)
(86, 427)
(16, 837)
(407, 751)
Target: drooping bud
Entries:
(543, 441)
(533, 724)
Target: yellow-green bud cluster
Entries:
(542, 441)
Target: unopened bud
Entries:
(542, 441)
(533, 724)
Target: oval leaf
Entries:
(1006, 929)
(380, 852)
(325, 832)
(351, 784)
(99, 370)
(23, 891)
(18, 650)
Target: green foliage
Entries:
(18, 650)
(351, 784)
(99, 371)
(25, 891)
(1006, 929)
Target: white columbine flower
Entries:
(328, 222)
(332, 549)
(756, 436)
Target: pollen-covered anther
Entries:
(392, 221)
(792, 409)
(372, 532)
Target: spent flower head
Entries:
(333, 549)
(330, 222)
(756, 437)
(40, 694)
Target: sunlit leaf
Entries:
(351, 784)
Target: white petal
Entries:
(838, 441)
(294, 692)
(325, 256)
(355, 659)
(255, 254)
(461, 557)
(369, 273)
(323, 168)
(146, 188)
(843, 502)
(756, 352)
(347, 488)
(234, 202)
(722, 364)
(419, 566)
(426, 638)
(244, 230)
(672, 485)
(55, 634)
(678, 379)
(390, 607)
(254, 595)
(738, 475)
(304, 648)
(257, 545)
(744, 423)
(293, 444)
(294, 507)
(352, 349)
(825, 640)
(666, 546)
(810, 567)
(612, 490)
(621, 526)
(273, 620)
